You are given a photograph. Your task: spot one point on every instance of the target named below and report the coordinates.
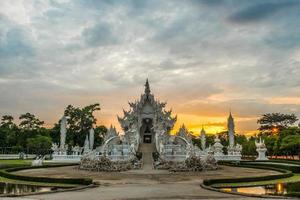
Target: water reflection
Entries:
(275, 189)
(10, 188)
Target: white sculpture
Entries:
(230, 125)
(38, 161)
(261, 149)
(190, 151)
(76, 150)
(218, 147)
(92, 138)
(55, 149)
(86, 147)
(63, 132)
(203, 139)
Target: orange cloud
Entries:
(284, 100)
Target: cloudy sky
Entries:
(203, 57)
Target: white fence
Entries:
(16, 156)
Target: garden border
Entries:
(78, 181)
(206, 184)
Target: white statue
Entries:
(55, 149)
(218, 147)
(190, 150)
(161, 148)
(203, 139)
(86, 147)
(261, 149)
(92, 138)
(132, 149)
(38, 161)
(63, 132)
(230, 126)
(76, 150)
(238, 149)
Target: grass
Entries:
(294, 178)
(15, 162)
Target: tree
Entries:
(7, 121)
(249, 148)
(100, 131)
(291, 145)
(30, 122)
(80, 121)
(275, 122)
(30, 127)
(39, 144)
(55, 133)
(8, 131)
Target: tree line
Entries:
(30, 135)
(279, 131)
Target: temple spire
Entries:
(147, 88)
(230, 126)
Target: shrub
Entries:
(293, 168)
(285, 174)
(6, 173)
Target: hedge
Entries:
(297, 162)
(81, 181)
(285, 174)
(293, 187)
(294, 169)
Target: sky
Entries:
(204, 57)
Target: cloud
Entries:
(14, 40)
(99, 35)
(261, 11)
(14, 44)
(201, 56)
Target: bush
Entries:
(293, 187)
(294, 168)
(6, 173)
(286, 173)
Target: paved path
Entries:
(147, 150)
(138, 192)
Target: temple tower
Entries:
(147, 88)
(230, 126)
(203, 139)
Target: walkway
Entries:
(147, 150)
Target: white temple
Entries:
(147, 124)
(233, 150)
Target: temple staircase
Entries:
(147, 150)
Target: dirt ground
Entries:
(138, 176)
(143, 184)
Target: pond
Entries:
(11, 188)
(275, 189)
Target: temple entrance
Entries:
(147, 139)
(146, 130)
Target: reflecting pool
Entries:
(275, 189)
(11, 188)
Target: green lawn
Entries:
(294, 178)
(15, 162)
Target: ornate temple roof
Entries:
(149, 107)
